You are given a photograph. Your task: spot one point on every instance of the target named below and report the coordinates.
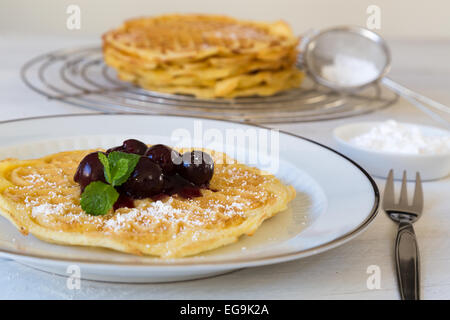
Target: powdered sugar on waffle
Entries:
(165, 215)
(158, 211)
(48, 209)
(54, 195)
(37, 179)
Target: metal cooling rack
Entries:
(78, 76)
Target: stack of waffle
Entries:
(204, 55)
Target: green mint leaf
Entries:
(122, 165)
(106, 168)
(98, 198)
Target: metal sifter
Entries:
(360, 52)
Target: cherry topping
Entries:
(190, 192)
(130, 146)
(160, 172)
(197, 167)
(89, 170)
(118, 148)
(167, 158)
(145, 181)
(123, 202)
(174, 183)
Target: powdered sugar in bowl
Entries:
(381, 146)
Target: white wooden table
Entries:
(337, 274)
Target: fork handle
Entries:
(407, 262)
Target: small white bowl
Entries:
(378, 163)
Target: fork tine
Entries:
(403, 192)
(388, 196)
(418, 195)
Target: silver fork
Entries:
(406, 248)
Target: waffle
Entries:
(193, 54)
(40, 197)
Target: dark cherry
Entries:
(131, 146)
(167, 158)
(123, 202)
(89, 170)
(118, 148)
(197, 167)
(145, 181)
(176, 184)
(190, 192)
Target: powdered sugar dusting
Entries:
(48, 209)
(52, 199)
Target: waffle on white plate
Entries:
(41, 197)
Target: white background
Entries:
(400, 18)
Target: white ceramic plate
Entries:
(336, 198)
